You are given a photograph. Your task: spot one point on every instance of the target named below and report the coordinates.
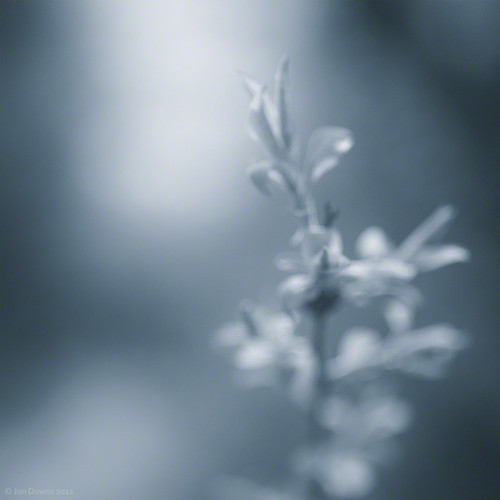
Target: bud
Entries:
(246, 314)
(330, 215)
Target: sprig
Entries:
(353, 416)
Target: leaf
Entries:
(317, 239)
(266, 177)
(384, 269)
(282, 100)
(431, 258)
(358, 350)
(347, 475)
(326, 146)
(252, 86)
(427, 232)
(263, 123)
(254, 355)
(289, 261)
(426, 352)
(297, 290)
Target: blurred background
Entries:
(130, 233)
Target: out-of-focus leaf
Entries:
(316, 238)
(266, 177)
(255, 354)
(347, 475)
(359, 349)
(263, 123)
(427, 232)
(289, 261)
(325, 148)
(426, 352)
(252, 86)
(433, 257)
(384, 269)
(282, 100)
(297, 291)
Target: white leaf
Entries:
(280, 329)
(426, 352)
(297, 291)
(323, 167)
(263, 123)
(282, 98)
(358, 350)
(252, 86)
(255, 354)
(325, 147)
(266, 178)
(395, 269)
(385, 269)
(289, 261)
(297, 237)
(427, 232)
(317, 238)
(431, 258)
(347, 475)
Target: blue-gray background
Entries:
(129, 231)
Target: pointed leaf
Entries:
(426, 352)
(431, 258)
(325, 147)
(282, 100)
(252, 86)
(427, 232)
(266, 178)
(263, 123)
(384, 269)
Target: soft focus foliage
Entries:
(267, 350)
(358, 419)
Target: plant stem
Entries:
(316, 433)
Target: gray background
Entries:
(129, 231)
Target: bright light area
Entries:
(163, 134)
